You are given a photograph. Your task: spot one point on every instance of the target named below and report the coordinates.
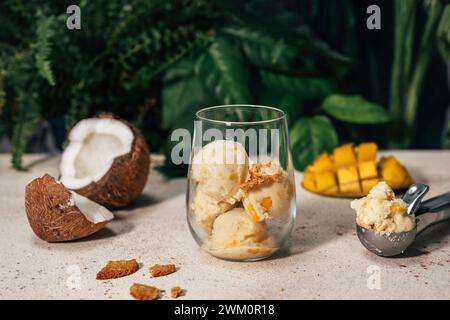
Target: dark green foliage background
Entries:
(156, 62)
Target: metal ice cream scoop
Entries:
(427, 213)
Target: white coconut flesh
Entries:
(92, 211)
(93, 145)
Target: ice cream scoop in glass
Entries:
(426, 213)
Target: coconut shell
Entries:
(51, 213)
(127, 176)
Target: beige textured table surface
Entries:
(324, 259)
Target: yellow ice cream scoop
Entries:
(219, 168)
(268, 192)
(235, 228)
(268, 200)
(206, 209)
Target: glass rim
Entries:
(282, 114)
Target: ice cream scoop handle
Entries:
(431, 218)
(435, 204)
(433, 211)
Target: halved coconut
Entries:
(107, 160)
(58, 214)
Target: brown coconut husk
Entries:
(51, 213)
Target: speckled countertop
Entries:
(324, 259)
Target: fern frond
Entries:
(152, 68)
(44, 33)
(27, 114)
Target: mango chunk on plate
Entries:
(351, 171)
(325, 180)
(367, 170)
(347, 175)
(367, 151)
(323, 163)
(344, 155)
(368, 184)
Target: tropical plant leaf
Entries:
(224, 72)
(182, 95)
(355, 109)
(443, 33)
(304, 87)
(283, 23)
(290, 104)
(264, 50)
(310, 137)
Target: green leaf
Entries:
(264, 50)
(183, 94)
(289, 103)
(309, 138)
(443, 33)
(224, 73)
(276, 18)
(355, 109)
(303, 87)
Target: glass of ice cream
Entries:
(241, 192)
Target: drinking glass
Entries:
(241, 190)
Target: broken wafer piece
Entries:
(159, 270)
(261, 173)
(118, 269)
(176, 292)
(144, 292)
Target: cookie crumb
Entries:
(144, 292)
(118, 269)
(159, 270)
(176, 292)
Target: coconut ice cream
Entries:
(235, 228)
(382, 212)
(219, 168)
(206, 209)
(236, 236)
(269, 200)
(268, 192)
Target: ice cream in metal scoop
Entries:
(427, 213)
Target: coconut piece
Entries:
(107, 160)
(57, 214)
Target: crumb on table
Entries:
(176, 292)
(144, 292)
(159, 270)
(118, 269)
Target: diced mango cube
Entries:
(332, 191)
(323, 163)
(368, 184)
(347, 175)
(394, 173)
(325, 180)
(367, 170)
(344, 155)
(309, 181)
(367, 152)
(350, 188)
